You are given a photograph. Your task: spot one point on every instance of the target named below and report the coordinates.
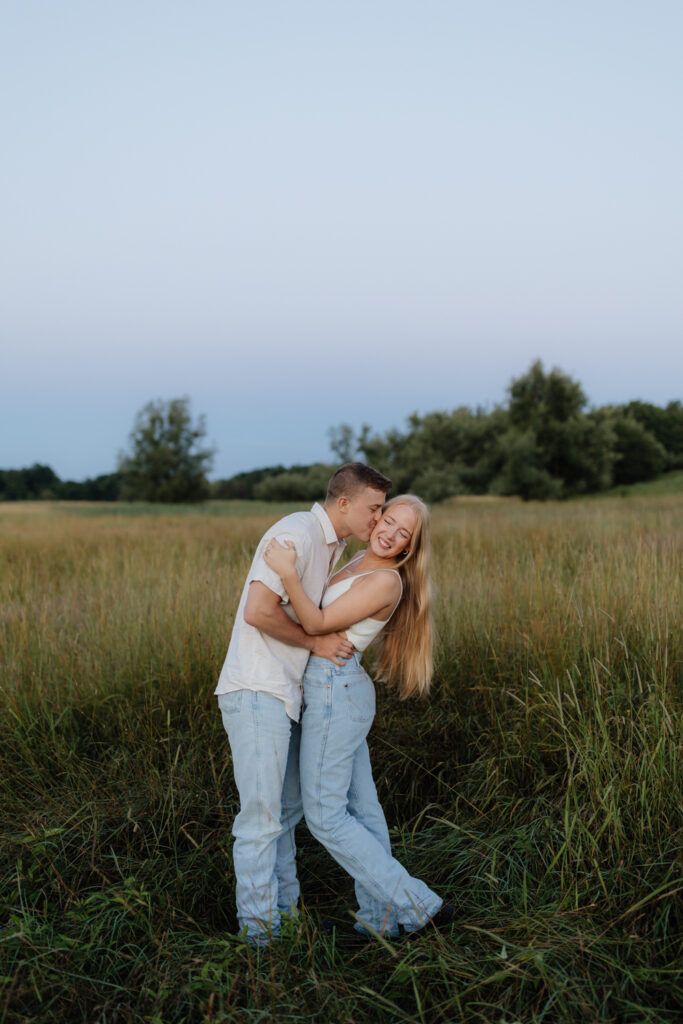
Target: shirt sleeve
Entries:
(262, 573)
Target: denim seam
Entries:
(321, 760)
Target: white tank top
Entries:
(361, 634)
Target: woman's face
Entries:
(394, 531)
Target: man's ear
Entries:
(342, 503)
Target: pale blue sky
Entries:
(299, 213)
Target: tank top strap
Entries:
(369, 572)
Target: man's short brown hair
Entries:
(353, 477)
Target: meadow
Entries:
(539, 788)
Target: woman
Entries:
(383, 590)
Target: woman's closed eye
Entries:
(404, 534)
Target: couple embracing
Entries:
(299, 633)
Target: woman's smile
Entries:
(394, 531)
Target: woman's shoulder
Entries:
(394, 573)
(386, 579)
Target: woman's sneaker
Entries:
(444, 917)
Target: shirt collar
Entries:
(326, 524)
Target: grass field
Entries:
(539, 788)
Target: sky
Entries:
(309, 212)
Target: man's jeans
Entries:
(265, 753)
(340, 800)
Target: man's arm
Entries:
(264, 611)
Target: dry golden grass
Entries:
(86, 599)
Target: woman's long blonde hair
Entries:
(405, 658)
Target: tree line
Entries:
(543, 442)
(41, 482)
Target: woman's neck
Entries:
(371, 561)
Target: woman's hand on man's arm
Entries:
(281, 558)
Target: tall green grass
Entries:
(539, 788)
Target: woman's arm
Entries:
(369, 596)
(264, 611)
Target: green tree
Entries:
(343, 443)
(166, 462)
(299, 483)
(539, 398)
(551, 438)
(451, 453)
(522, 472)
(386, 453)
(241, 486)
(638, 454)
(36, 481)
(105, 487)
(665, 424)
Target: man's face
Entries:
(362, 512)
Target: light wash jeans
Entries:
(265, 754)
(340, 800)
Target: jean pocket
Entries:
(360, 700)
(230, 703)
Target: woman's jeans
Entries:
(265, 754)
(340, 800)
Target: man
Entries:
(259, 693)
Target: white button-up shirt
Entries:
(256, 661)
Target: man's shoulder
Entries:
(304, 517)
(299, 524)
